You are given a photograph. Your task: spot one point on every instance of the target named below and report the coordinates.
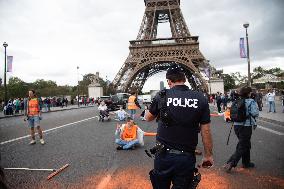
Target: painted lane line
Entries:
(46, 131)
(270, 130)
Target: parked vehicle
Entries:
(110, 102)
(147, 99)
(120, 99)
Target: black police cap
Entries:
(174, 70)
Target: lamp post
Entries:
(5, 70)
(78, 87)
(246, 25)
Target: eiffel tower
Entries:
(150, 55)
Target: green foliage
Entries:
(239, 79)
(259, 72)
(16, 88)
(229, 82)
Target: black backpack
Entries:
(238, 111)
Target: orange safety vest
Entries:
(227, 115)
(33, 107)
(131, 103)
(129, 134)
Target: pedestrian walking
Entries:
(33, 113)
(243, 130)
(219, 101)
(258, 99)
(270, 99)
(182, 114)
(133, 104)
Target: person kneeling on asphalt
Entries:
(128, 135)
(121, 114)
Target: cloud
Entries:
(48, 39)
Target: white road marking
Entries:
(270, 130)
(46, 131)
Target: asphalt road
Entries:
(76, 137)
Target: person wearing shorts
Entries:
(32, 111)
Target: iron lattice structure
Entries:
(150, 55)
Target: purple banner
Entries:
(242, 48)
(9, 63)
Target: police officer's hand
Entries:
(207, 162)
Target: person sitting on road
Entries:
(227, 114)
(143, 114)
(120, 114)
(103, 111)
(128, 135)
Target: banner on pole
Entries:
(242, 48)
(207, 72)
(9, 63)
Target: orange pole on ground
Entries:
(57, 171)
(150, 134)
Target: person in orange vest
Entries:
(127, 135)
(133, 105)
(227, 114)
(33, 113)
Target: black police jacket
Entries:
(187, 109)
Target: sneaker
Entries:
(42, 141)
(228, 167)
(32, 142)
(119, 148)
(250, 165)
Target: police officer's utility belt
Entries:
(178, 152)
(160, 148)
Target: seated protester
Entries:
(128, 135)
(103, 111)
(143, 114)
(227, 114)
(120, 114)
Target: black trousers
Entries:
(219, 107)
(175, 169)
(243, 147)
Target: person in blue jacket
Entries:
(243, 130)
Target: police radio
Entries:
(164, 114)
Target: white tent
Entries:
(268, 78)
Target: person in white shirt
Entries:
(270, 98)
(103, 111)
(121, 114)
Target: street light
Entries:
(78, 86)
(5, 70)
(246, 25)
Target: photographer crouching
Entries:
(181, 114)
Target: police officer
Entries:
(182, 114)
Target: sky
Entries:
(49, 39)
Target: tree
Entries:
(17, 88)
(239, 79)
(229, 82)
